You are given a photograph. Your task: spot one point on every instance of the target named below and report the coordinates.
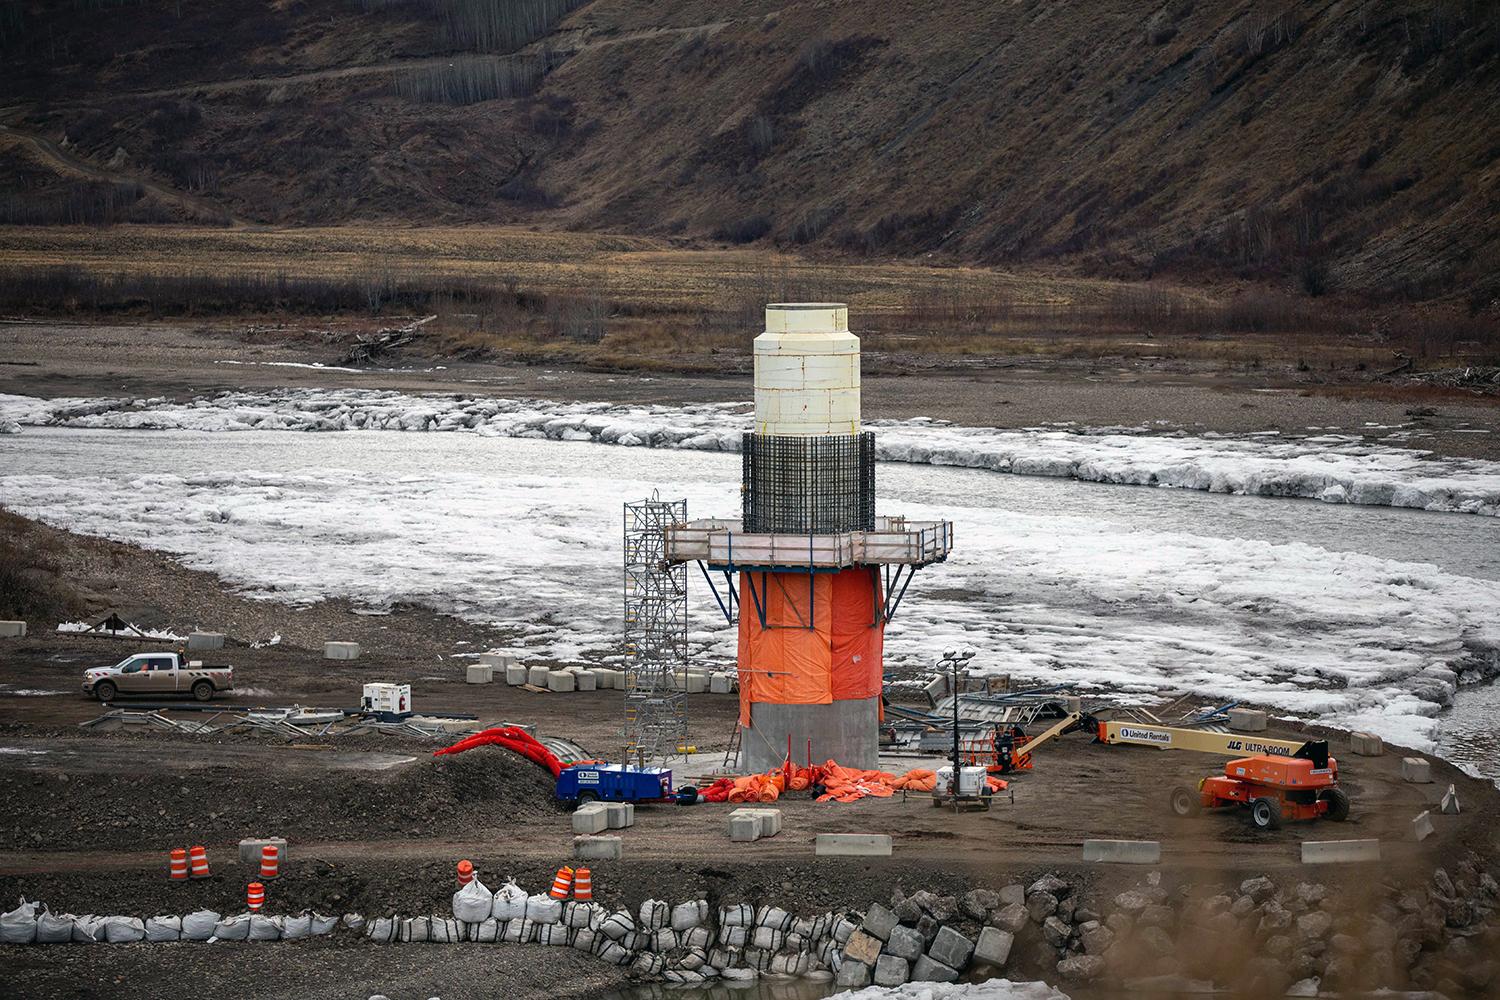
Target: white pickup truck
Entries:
(158, 674)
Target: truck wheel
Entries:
(584, 798)
(1265, 813)
(105, 691)
(1338, 804)
(203, 691)
(1186, 801)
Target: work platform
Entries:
(720, 544)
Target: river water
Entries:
(1326, 611)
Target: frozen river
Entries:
(1363, 616)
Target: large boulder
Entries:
(1010, 918)
(905, 942)
(1050, 884)
(1258, 888)
(977, 903)
(1081, 968)
(1056, 932)
(951, 948)
(993, 947)
(1041, 905)
(879, 922)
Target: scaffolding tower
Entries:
(655, 632)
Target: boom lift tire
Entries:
(203, 691)
(1265, 813)
(105, 691)
(1338, 804)
(1186, 801)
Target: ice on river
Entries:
(1328, 467)
(994, 989)
(526, 533)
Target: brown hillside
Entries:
(1347, 145)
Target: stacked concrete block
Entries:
(585, 680)
(340, 650)
(696, 683)
(561, 681)
(479, 673)
(768, 820)
(515, 675)
(720, 683)
(499, 659)
(12, 630)
(620, 815)
(537, 676)
(205, 640)
(1247, 720)
(1366, 744)
(743, 829)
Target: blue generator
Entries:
(613, 783)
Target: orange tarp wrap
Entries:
(838, 658)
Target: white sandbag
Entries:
(235, 928)
(583, 939)
(382, 930)
(295, 928)
(577, 914)
(19, 925)
(552, 935)
(323, 925)
(487, 931)
(199, 926)
(654, 915)
(123, 930)
(444, 930)
(163, 928)
(54, 929)
(355, 922)
(648, 965)
(698, 937)
(775, 917)
(473, 903)
(738, 915)
(617, 925)
(263, 928)
(88, 928)
(510, 902)
(416, 929)
(614, 954)
(693, 958)
(543, 909)
(686, 916)
(664, 940)
(734, 937)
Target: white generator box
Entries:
(971, 781)
(388, 699)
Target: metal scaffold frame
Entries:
(655, 609)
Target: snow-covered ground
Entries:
(1360, 616)
(1328, 467)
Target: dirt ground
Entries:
(57, 358)
(376, 824)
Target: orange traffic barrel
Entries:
(562, 884)
(199, 857)
(177, 866)
(583, 884)
(465, 873)
(270, 861)
(255, 897)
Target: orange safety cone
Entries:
(583, 885)
(255, 897)
(270, 861)
(177, 866)
(465, 873)
(562, 884)
(199, 858)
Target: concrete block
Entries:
(951, 948)
(479, 673)
(696, 684)
(993, 947)
(928, 970)
(205, 640)
(1123, 852)
(250, 850)
(340, 650)
(561, 681)
(937, 688)
(1366, 744)
(1416, 770)
(12, 630)
(590, 818)
(769, 819)
(891, 970)
(585, 680)
(879, 921)
(744, 829)
(1421, 827)
(537, 676)
(720, 684)
(906, 942)
(1329, 852)
(862, 947)
(620, 814)
(852, 845)
(1074, 703)
(1449, 806)
(853, 975)
(1247, 720)
(499, 659)
(515, 675)
(597, 848)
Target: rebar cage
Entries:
(655, 609)
(809, 485)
